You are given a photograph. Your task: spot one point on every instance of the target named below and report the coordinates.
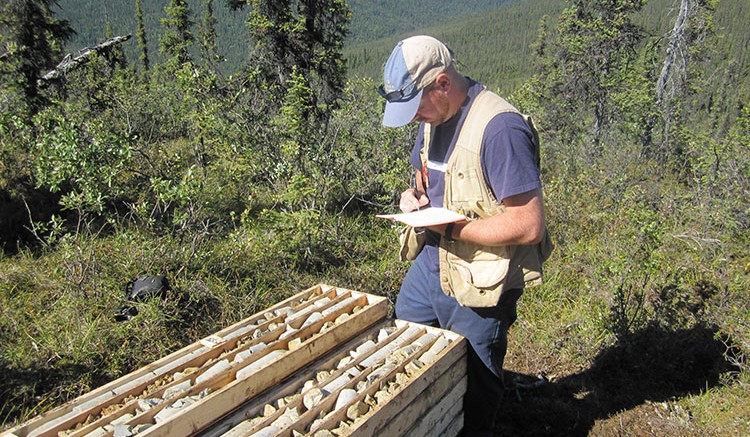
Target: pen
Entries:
(413, 184)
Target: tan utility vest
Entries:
(475, 274)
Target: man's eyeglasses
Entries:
(393, 96)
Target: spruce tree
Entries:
(300, 37)
(209, 50)
(178, 37)
(141, 35)
(587, 62)
(35, 38)
(115, 56)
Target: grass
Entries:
(724, 410)
(626, 347)
(664, 377)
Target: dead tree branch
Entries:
(70, 62)
(673, 70)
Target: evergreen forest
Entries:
(236, 148)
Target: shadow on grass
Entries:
(28, 392)
(650, 365)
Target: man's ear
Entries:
(443, 82)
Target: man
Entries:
(475, 154)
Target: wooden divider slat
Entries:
(210, 357)
(196, 417)
(430, 405)
(294, 385)
(437, 421)
(451, 359)
(333, 419)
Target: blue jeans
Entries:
(421, 300)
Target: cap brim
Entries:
(400, 113)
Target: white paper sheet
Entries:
(425, 217)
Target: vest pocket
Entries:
(476, 276)
(483, 275)
(411, 242)
(464, 189)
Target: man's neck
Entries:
(458, 94)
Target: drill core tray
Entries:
(324, 362)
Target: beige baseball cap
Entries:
(414, 63)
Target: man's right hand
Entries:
(412, 200)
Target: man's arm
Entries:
(522, 223)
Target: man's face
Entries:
(435, 106)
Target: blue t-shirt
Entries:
(508, 158)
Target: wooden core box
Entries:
(325, 362)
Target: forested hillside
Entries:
(494, 37)
(244, 185)
(494, 46)
(472, 26)
(370, 20)
(90, 19)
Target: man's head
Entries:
(415, 64)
